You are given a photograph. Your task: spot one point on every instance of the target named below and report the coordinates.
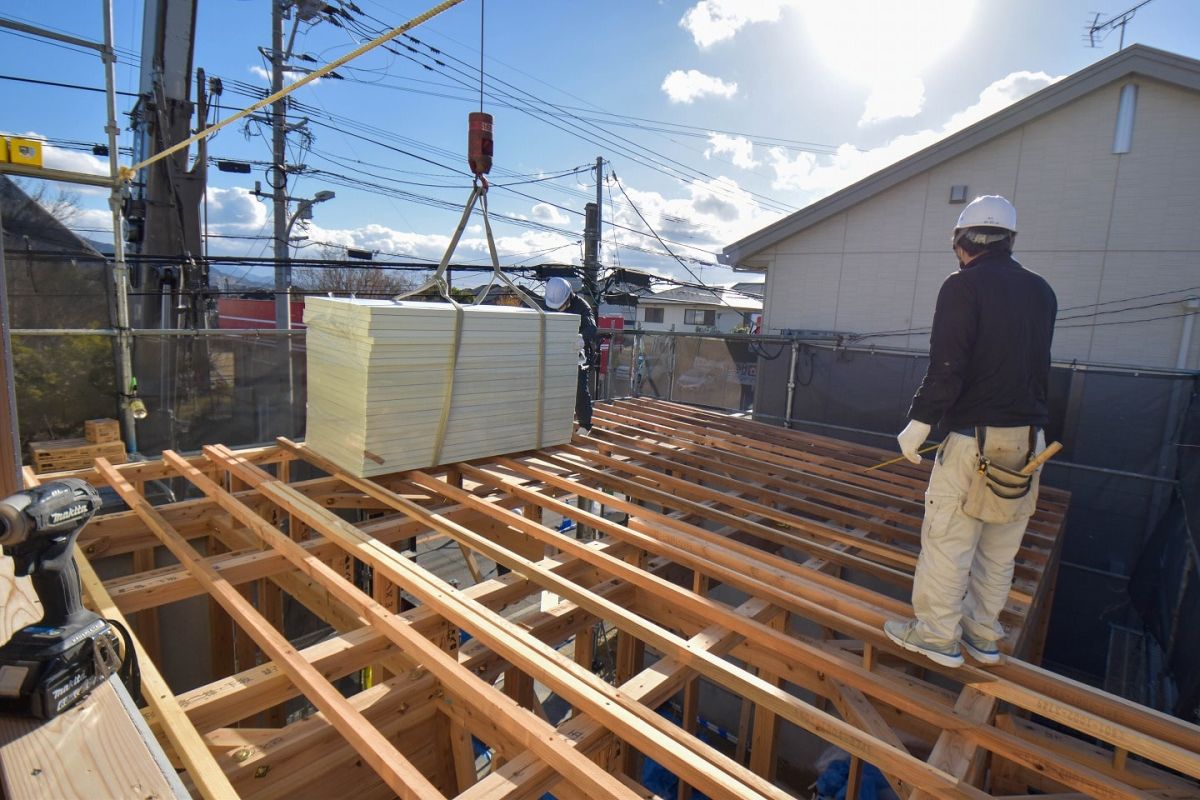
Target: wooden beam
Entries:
(831, 728)
(958, 754)
(530, 730)
(525, 777)
(391, 765)
(704, 560)
(204, 772)
(630, 720)
(848, 618)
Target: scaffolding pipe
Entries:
(791, 384)
(120, 269)
(671, 374)
(635, 366)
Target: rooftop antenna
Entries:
(1098, 31)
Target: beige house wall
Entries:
(1099, 226)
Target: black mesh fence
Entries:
(1121, 435)
(237, 388)
(1166, 579)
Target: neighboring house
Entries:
(696, 310)
(1104, 170)
(752, 288)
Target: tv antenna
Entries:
(1098, 31)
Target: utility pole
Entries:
(283, 276)
(592, 217)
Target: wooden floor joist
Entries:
(720, 556)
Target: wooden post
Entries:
(762, 737)
(691, 689)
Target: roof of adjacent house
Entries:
(719, 298)
(27, 225)
(1134, 60)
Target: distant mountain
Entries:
(103, 248)
(233, 279)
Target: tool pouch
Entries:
(999, 494)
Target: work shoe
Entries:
(982, 650)
(904, 633)
(584, 432)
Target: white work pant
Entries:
(965, 568)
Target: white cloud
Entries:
(739, 149)
(712, 214)
(1001, 94)
(395, 244)
(712, 21)
(822, 175)
(686, 87)
(544, 212)
(236, 210)
(889, 99)
(93, 223)
(74, 161)
(288, 76)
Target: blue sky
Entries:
(716, 117)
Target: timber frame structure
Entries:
(721, 554)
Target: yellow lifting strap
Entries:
(527, 300)
(438, 281)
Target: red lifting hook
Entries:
(479, 143)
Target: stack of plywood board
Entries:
(378, 373)
(68, 454)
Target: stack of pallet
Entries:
(102, 440)
(379, 374)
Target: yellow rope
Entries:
(128, 173)
(901, 458)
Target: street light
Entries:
(283, 271)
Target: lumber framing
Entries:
(720, 554)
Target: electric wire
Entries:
(718, 293)
(401, 151)
(541, 109)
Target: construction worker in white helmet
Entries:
(989, 366)
(561, 297)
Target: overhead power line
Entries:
(61, 85)
(551, 113)
(718, 293)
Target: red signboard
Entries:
(610, 323)
(239, 313)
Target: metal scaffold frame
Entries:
(724, 554)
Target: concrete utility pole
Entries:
(592, 217)
(283, 272)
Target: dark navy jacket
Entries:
(989, 351)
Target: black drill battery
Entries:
(44, 671)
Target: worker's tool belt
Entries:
(1001, 494)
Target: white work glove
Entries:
(911, 439)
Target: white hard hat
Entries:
(558, 292)
(988, 211)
